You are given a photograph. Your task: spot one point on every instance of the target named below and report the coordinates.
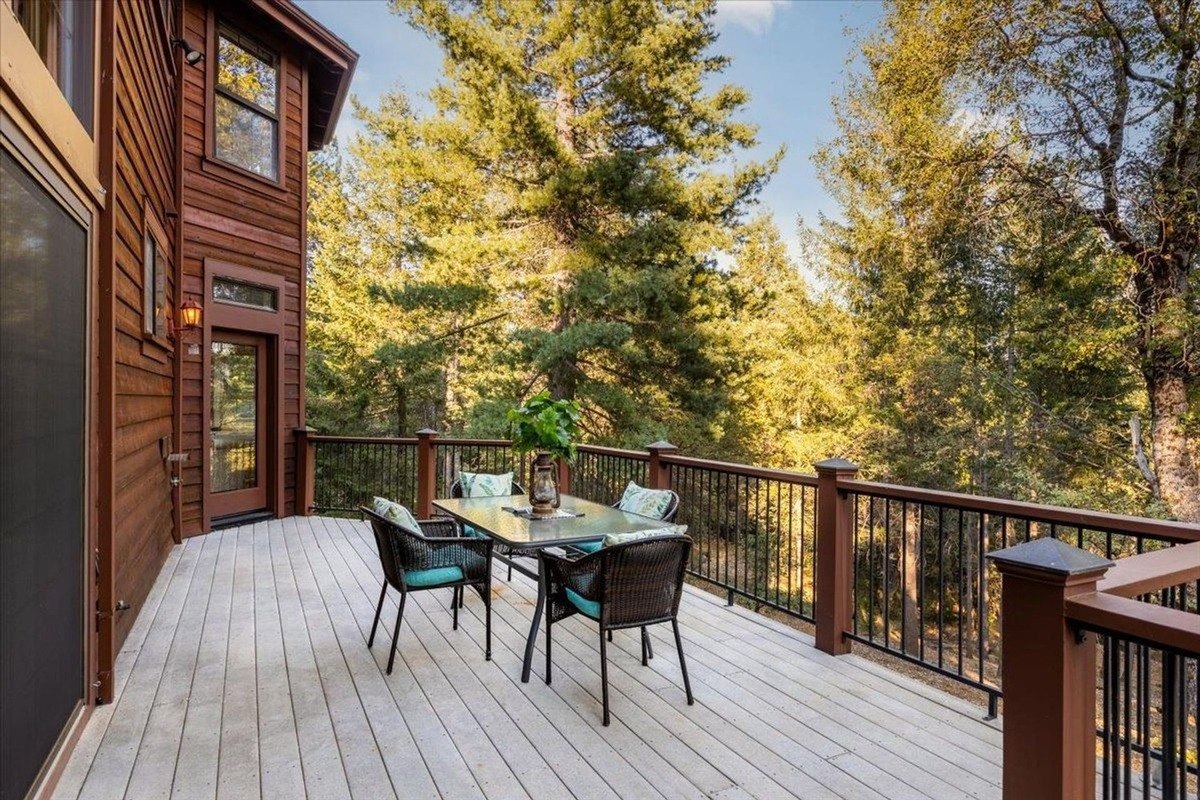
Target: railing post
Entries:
(835, 547)
(564, 476)
(426, 471)
(306, 468)
(658, 473)
(1048, 671)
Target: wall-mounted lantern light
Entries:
(190, 315)
(190, 54)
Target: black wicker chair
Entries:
(628, 585)
(428, 560)
(456, 490)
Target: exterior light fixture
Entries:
(190, 54)
(190, 315)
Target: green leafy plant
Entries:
(546, 425)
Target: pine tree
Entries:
(580, 168)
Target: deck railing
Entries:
(894, 568)
(1102, 661)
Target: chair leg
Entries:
(454, 604)
(610, 636)
(396, 633)
(509, 578)
(645, 643)
(687, 686)
(378, 611)
(487, 624)
(549, 625)
(604, 673)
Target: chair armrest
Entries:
(578, 573)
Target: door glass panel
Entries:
(234, 424)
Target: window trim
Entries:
(158, 331)
(211, 162)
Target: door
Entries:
(43, 404)
(238, 448)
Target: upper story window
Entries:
(64, 34)
(246, 104)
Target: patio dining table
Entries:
(495, 517)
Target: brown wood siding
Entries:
(242, 221)
(143, 405)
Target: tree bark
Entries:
(912, 577)
(1174, 464)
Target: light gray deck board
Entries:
(247, 674)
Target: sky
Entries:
(790, 54)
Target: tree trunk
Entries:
(1174, 463)
(912, 557)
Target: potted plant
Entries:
(547, 428)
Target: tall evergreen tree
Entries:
(580, 166)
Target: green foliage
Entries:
(544, 425)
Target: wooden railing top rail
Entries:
(728, 467)
(1150, 572)
(1158, 626)
(1035, 512)
(1112, 608)
(463, 442)
(320, 437)
(637, 455)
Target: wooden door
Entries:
(238, 450)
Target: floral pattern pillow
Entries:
(621, 538)
(651, 503)
(394, 512)
(481, 484)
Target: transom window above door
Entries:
(246, 104)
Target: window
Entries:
(247, 295)
(246, 105)
(63, 33)
(154, 284)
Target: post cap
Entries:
(1049, 557)
(427, 432)
(836, 465)
(661, 444)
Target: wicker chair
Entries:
(436, 558)
(628, 585)
(668, 516)
(456, 490)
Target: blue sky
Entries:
(791, 56)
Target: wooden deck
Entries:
(247, 675)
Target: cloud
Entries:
(756, 16)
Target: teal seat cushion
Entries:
(422, 578)
(588, 547)
(586, 607)
(474, 534)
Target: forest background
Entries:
(1005, 305)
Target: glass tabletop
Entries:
(488, 515)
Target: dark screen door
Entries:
(237, 475)
(43, 313)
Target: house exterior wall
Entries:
(142, 163)
(142, 198)
(235, 222)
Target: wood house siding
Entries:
(144, 187)
(232, 218)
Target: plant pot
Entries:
(543, 487)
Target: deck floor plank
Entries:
(247, 675)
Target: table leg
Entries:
(533, 628)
